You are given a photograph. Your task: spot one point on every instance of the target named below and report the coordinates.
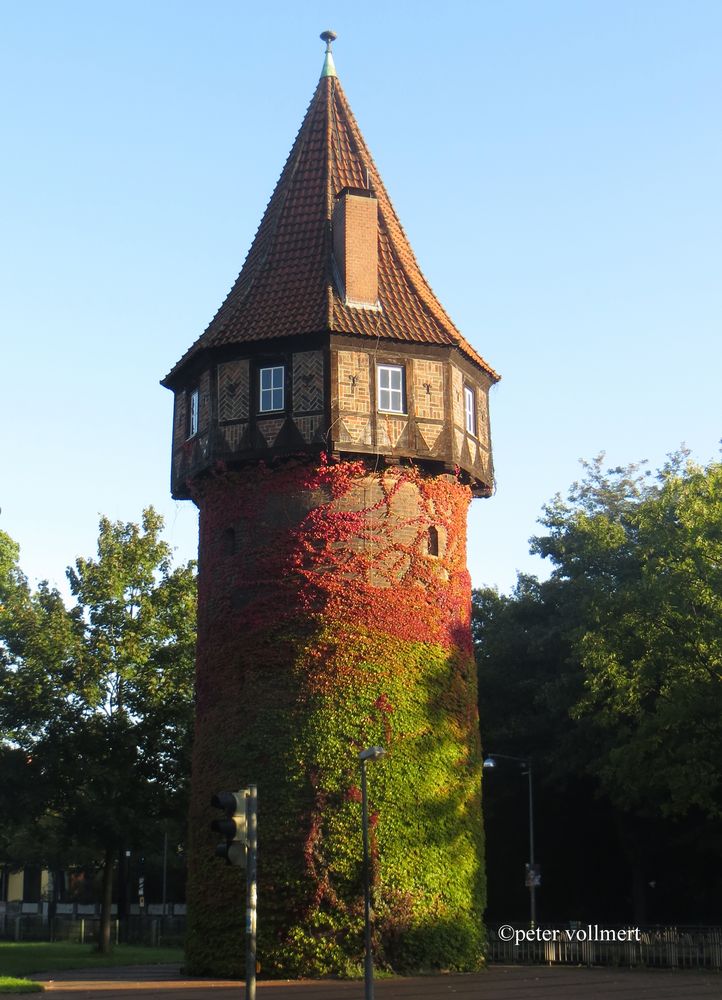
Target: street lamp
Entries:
(373, 753)
(490, 762)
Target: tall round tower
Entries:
(332, 426)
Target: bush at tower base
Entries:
(327, 625)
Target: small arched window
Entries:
(432, 541)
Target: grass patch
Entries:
(23, 958)
(9, 984)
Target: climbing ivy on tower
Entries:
(326, 625)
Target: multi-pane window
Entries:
(193, 413)
(391, 388)
(271, 389)
(470, 409)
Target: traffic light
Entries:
(233, 826)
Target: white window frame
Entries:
(394, 396)
(274, 393)
(194, 407)
(470, 409)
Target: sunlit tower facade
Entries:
(331, 424)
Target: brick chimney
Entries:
(356, 246)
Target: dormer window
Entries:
(470, 410)
(272, 389)
(391, 389)
(194, 401)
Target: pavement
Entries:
(498, 982)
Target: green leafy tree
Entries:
(98, 698)
(609, 673)
(643, 561)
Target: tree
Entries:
(99, 697)
(609, 673)
(643, 561)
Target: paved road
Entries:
(499, 982)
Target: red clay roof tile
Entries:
(286, 287)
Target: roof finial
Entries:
(328, 65)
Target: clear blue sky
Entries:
(557, 166)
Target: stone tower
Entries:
(331, 425)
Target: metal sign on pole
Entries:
(251, 890)
(532, 876)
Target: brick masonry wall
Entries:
(435, 426)
(233, 390)
(307, 381)
(428, 386)
(304, 576)
(355, 222)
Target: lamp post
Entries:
(373, 753)
(490, 762)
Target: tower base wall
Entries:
(334, 614)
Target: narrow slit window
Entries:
(193, 413)
(470, 410)
(432, 541)
(391, 389)
(272, 390)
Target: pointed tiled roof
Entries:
(286, 285)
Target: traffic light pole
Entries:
(532, 863)
(373, 753)
(251, 890)
(533, 878)
(368, 959)
(239, 828)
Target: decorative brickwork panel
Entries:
(428, 382)
(392, 432)
(310, 429)
(405, 515)
(307, 381)
(233, 390)
(235, 436)
(204, 402)
(427, 436)
(370, 500)
(458, 444)
(180, 420)
(483, 419)
(270, 429)
(355, 430)
(354, 389)
(457, 397)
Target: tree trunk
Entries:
(123, 895)
(107, 902)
